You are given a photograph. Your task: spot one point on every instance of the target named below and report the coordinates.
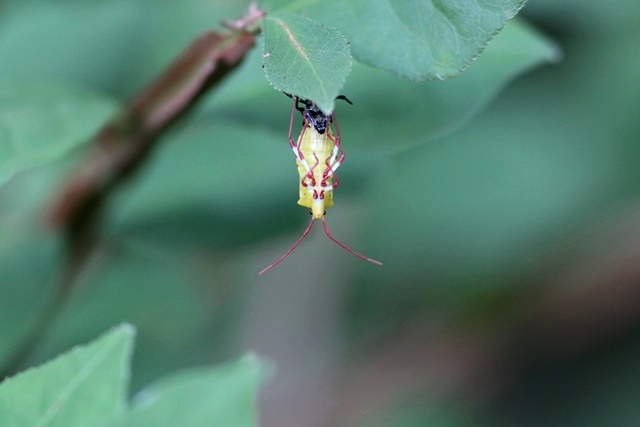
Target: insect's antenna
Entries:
(344, 98)
(295, 245)
(345, 247)
(293, 111)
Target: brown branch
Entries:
(122, 145)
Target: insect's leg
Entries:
(338, 138)
(345, 247)
(295, 146)
(335, 184)
(303, 161)
(293, 111)
(310, 176)
(336, 159)
(333, 163)
(344, 98)
(337, 149)
(295, 245)
(298, 153)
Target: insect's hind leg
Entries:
(333, 162)
(295, 146)
(293, 111)
(345, 247)
(310, 176)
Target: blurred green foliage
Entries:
(88, 386)
(477, 213)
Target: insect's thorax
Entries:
(314, 167)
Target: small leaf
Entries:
(40, 123)
(221, 396)
(83, 387)
(417, 39)
(305, 58)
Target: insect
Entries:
(318, 156)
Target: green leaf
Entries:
(39, 123)
(305, 58)
(444, 106)
(417, 39)
(84, 387)
(221, 396)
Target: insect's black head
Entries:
(312, 114)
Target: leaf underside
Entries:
(416, 39)
(305, 58)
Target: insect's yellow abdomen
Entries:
(318, 151)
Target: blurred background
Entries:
(507, 219)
